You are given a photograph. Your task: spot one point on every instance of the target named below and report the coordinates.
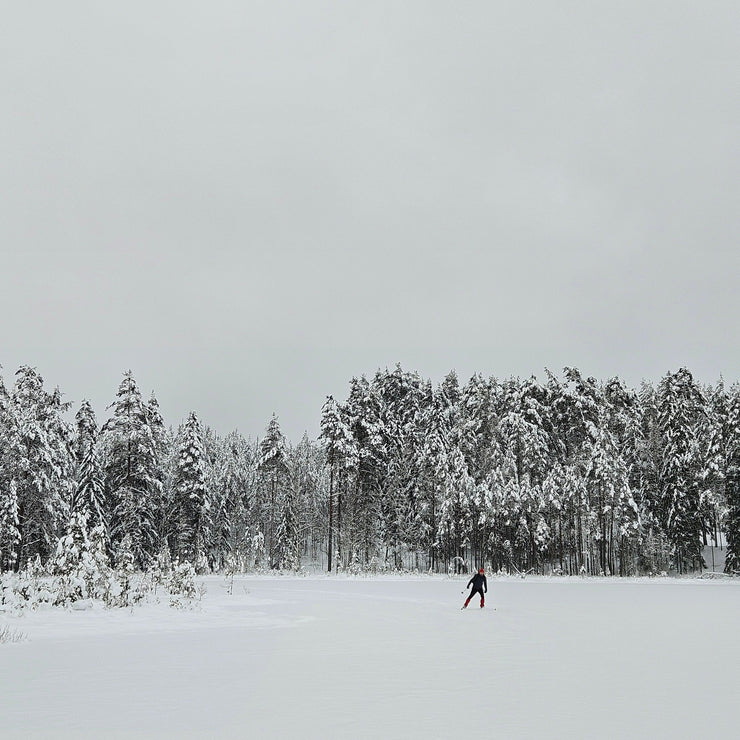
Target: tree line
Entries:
(566, 475)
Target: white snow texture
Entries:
(337, 657)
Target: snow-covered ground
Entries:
(335, 657)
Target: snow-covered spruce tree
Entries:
(10, 536)
(163, 452)
(217, 549)
(132, 473)
(307, 470)
(680, 405)
(522, 436)
(575, 411)
(616, 510)
(192, 496)
(732, 558)
(86, 430)
(70, 560)
(623, 420)
(38, 457)
(478, 425)
(363, 497)
(233, 501)
(711, 462)
(287, 531)
(272, 470)
(401, 395)
(435, 465)
(88, 498)
(337, 440)
(732, 482)
(458, 490)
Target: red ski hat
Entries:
(480, 570)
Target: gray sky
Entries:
(247, 203)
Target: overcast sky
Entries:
(247, 203)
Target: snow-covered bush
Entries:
(126, 586)
(256, 551)
(181, 585)
(30, 587)
(354, 566)
(79, 567)
(159, 571)
(78, 571)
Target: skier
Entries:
(480, 586)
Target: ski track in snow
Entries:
(387, 657)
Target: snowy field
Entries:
(321, 657)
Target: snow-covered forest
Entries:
(564, 474)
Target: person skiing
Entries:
(480, 586)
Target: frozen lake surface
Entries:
(336, 657)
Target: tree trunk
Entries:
(331, 513)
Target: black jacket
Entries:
(479, 582)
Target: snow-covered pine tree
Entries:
(616, 511)
(524, 441)
(272, 469)
(337, 440)
(447, 493)
(10, 535)
(163, 453)
(400, 395)
(433, 466)
(622, 420)
(287, 531)
(732, 481)
(680, 405)
(39, 459)
(89, 496)
(192, 496)
(132, 473)
(364, 494)
(233, 500)
(307, 464)
(86, 430)
(478, 425)
(68, 562)
(454, 528)
(712, 455)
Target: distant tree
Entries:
(732, 484)
(337, 440)
(680, 405)
(478, 425)
(233, 500)
(400, 398)
(286, 552)
(132, 473)
(163, 452)
(455, 524)
(89, 497)
(364, 496)
(10, 535)
(40, 462)
(271, 467)
(86, 430)
(192, 496)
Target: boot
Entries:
(482, 603)
(465, 605)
